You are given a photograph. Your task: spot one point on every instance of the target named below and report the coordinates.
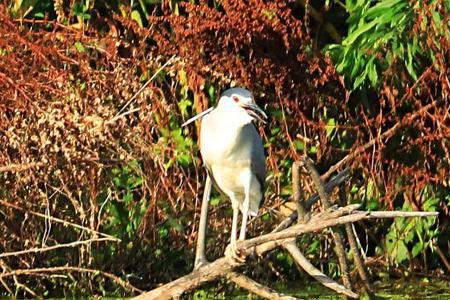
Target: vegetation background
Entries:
(93, 94)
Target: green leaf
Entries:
(266, 217)
(357, 33)
(409, 62)
(137, 182)
(331, 124)
(214, 201)
(79, 46)
(39, 15)
(402, 251)
(417, 249)
(436, 18)
(372, 72)
(299, 145)
(128, 198)
(136, 16)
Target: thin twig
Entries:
(442, 256)
(143, 87)
(332, 31)
(118, 280)
(57, 220)
(387, 134)
(50, 248)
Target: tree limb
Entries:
(222, 266)
(257, 288)
(292, 248)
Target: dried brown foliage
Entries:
(60, 89)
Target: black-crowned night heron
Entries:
(233, 155)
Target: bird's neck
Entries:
(233, 115)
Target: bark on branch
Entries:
(223, 266)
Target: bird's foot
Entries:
(235, 253)
(200, 262)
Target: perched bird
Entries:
(233, 153)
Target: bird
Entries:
(233, 154)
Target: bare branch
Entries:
(117, 280)
(338, 238)
(57, 220)
(315, 273)
(257, 288)
(387, 134)
(68, 245)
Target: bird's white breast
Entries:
(228, 146)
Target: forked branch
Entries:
(223, 266)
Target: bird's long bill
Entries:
(196, 117)
(255, 111)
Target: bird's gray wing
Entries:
(258, 160)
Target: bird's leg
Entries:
(245, 208)
(200, 258)
(233, 251)
(231, 248)
(235, 223)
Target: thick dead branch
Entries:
(301, 211)
(257, 288)
(176, 288)
(314, 272)
(338, 238)
(354, 248)
(292, 247)
(223, 266)
(329, 186)
(315, 225)
(200, 257)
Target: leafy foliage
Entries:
(388, 35)
(418, 234)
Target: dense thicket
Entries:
(81, 142)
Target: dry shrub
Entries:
(60, 89)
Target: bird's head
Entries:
(242, 101)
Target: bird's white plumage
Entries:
(233, 153)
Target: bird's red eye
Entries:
(236, 99)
